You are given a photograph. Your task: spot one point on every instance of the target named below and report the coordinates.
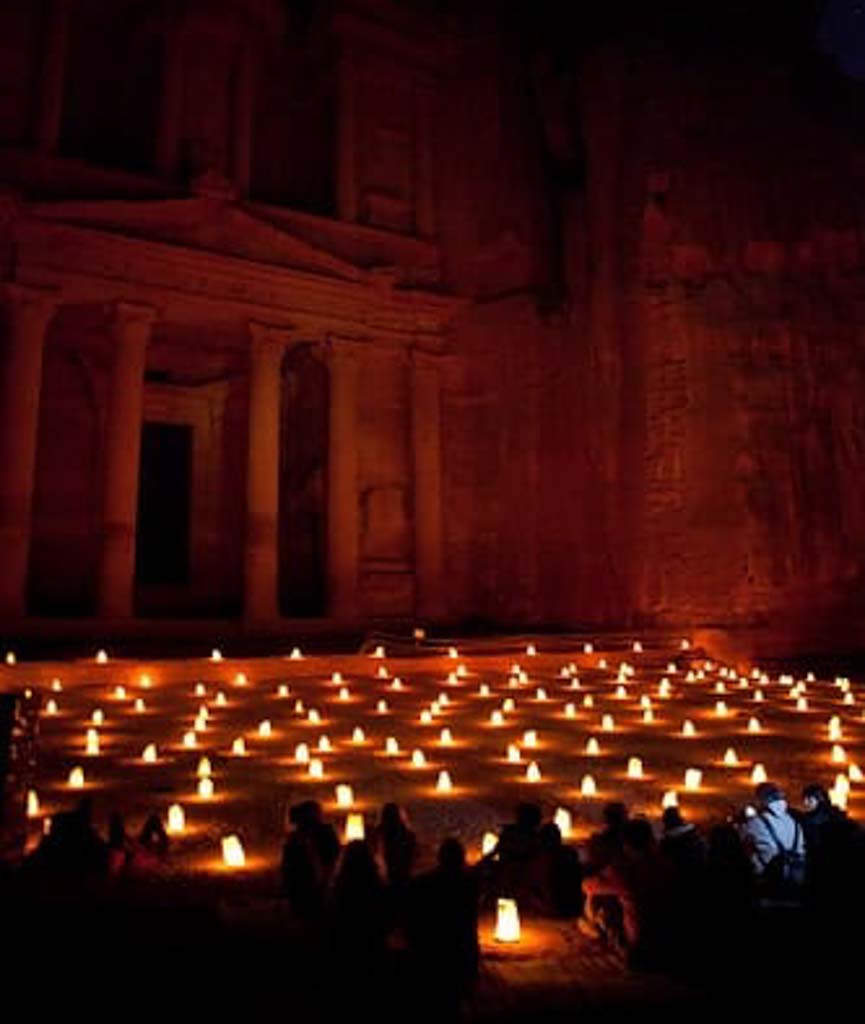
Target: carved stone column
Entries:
(261, 560)
(28, 313)
(431, 601)
(132, 326)
(53, 77)
(343, 520)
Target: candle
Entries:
(444, 784)
(92, 743)
(32, 804)
(204, 769)
(507, 921)
(564, 820)
(635, 768)
(176, 820)
(238, 747)
(593, 748)
(344, 795)
(232, 852)
(418, 759)
(265, 729)
(354, 827)
(533, 772)
(76, 778)
(148, 755)
(489, 842)
(316, 768)
(693, 778)
(588, 788)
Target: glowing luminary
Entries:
(854, 773)
(301, 754)
(540, 694)
(56, 686)
(324, 744)
(358, 735)
(570, 710)
(588, 787)
(462, 671)
(98, 717)
(513, 754)
(381, 707)
(533, 772)
(221, 699)
(802, 704)
(383, 673)
(608, 723)
(721, 709)
(200, 724)
(190, 740)
(685, 645)
(378, 652)
(344, 693)
(648, 716)
(507, 922)
(32, 804)
(688, 728)
(839, 754)
(233, 855)
(391, 746)
(101, 657)
(575, 684)
(602, 663)
(838, 798)
(497, 718)
(848, 699)
(621, 693)
(670, 799)
(564, 820)
(204, 768)
(265, 729)
(509, 705)
(216, 654)
(316, 768)
(754, 725)
(443, 783)
(314, 718)
(397, 684)
(91, 743)
(298, 707)
(693, 779)
(531, 650)
(588, 701)
(51, 707)
(344, 795)
(758, 774)
(120, 692)
(446, 738)
(842, 784)
(10, 658)
(282, 691)
(758, 696)
(593, 748)
(145, 682)
(296, 654)
(635, 768)
(149, 754)
(720, 688)
(484, 690)
(426, 716)
(664, 688)
(730, 758)
(354, 827)
(238, 747)
(418, 759)
(489, 842)
(139, 705)
(530, 738)
(176, 820)
(76, 778)
(588, 648)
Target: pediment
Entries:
(215, 227)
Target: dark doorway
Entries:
(162, 542)
(303, 485)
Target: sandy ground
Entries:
(252, 792)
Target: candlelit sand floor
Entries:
(220, 912)
(252, 792)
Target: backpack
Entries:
(784, 875)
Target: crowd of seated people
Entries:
(660, 894)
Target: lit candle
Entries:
(190, 740)
(497, 718)
(357, 735)
(588, 787)
(635, 768)
(148, 755)
(296, 654)
(76, 778)
(98, 717)
(688, 728)
(754, 725)
(730, 758)
(564, 820)
(418, 759)
(316, 768)
(670, 799)
(444, 784)
(221, 699)
(176, 820)
(51, 707)
(92, 743)
(489, 842)
(593, 748)
(391, 746)
(324, 744)
(232, 852)
(533, 772)
(265, 729)
(758, 775)
(204, 769)
(32, 804)
(354, 827)
(608, 723)
(301, 753)
(693, 778)
(238, 747)
(530, 738)
(381, 707)
(344, 795)
(570, 710)
(513, 754)
(507, 921)
(445, 738)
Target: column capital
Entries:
(128, 317)
(30, 297)
(269, 340)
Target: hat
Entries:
(768, 792)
